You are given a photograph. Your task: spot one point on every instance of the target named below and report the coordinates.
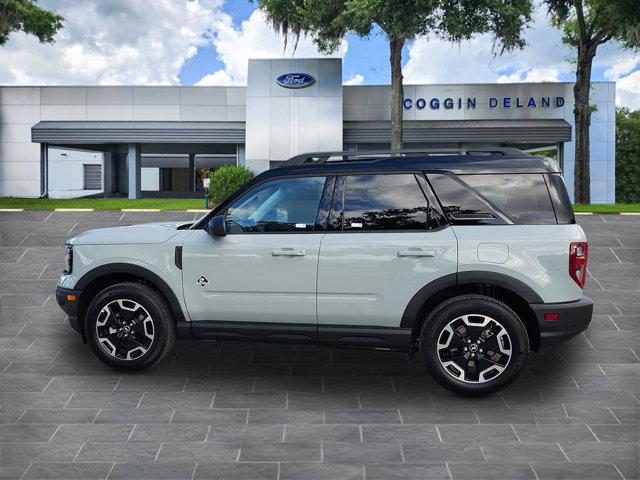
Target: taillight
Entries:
(578, 252)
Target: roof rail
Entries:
(353, 155)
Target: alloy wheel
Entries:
(474, 348)
(125, 330)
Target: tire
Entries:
(495, 340)
(142, 344)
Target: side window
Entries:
(459, 203)
(560, 199)
(523, 197)
(283, 205)
(383, 202)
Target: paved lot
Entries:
(229, 410)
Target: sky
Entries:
(208, 42)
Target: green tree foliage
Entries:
(627, 156)
(28, 17)
(226, 180)
(327, 22)
(587, 24)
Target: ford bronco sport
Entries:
(469, 258)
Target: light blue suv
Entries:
(471, 258)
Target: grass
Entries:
(102, 203)
(608, 208)
(197, 203)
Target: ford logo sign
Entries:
(295, 80)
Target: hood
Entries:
(146, 233)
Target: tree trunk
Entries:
(397, 95)
(582, 114)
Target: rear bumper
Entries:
(69, 307)
(572, 318)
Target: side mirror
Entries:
(217, 226)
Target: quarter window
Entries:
(283, 205)
(524, 198)
(383, 202)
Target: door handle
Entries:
(416, 252)
(288, 252)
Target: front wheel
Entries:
(129, 326)
(473, 345)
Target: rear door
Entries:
(383, 244)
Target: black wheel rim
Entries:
(474, 348)
(125, 330)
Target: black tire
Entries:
(157, 338)
(457, 335)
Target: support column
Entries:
(107, 173)
(192, 172)
(44, 170)
(134, 170)
(561, 155)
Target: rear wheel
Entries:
(473, 345)
(129, 326)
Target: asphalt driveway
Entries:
(233, 410)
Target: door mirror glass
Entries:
(217, 226)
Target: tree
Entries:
(627, 156)
(327, 21)
(28, 17)
(587, 24)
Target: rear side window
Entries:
(524, 198)
(383, 202)
(461, 205)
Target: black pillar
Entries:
(192, 172)
(44, 170)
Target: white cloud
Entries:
(628, 91)
(357, 79)
(253, 39)
(531, 75)
(114, 42)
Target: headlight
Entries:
(68, 260)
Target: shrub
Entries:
(627, 156)
(226, 180)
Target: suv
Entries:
(469, 258)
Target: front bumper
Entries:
(69, 307)
(572, 318)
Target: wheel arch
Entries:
(513, 292)
(103, 276)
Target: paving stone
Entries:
(28, 433)
(399, 433)
(80, 470)
(407, 472)
(476, 433)
(441, 452)
(280, 452)
(92, 433)
(246, 433)
(169, 433)
(210, 416)
(327, 433)
(502, 471)
(242, 471)
(576, 471)
(120, 452)
(198, 452)
(285, 416)
(135, 415)
(370, 453)
(362, 416)
(173, 470)
(58, 416)
(320, 471)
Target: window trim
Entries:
(231, 200)
(341, 184)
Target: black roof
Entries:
(458, 164)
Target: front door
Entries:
(381, 247)
(265, 268)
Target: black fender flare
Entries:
(410, 315)
(138, 271)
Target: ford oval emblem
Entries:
(295, 80)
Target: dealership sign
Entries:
(469, 103)
(295, 80)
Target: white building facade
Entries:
(162, 141)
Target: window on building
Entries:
(384, 202)
(283, 205)
(92, 177)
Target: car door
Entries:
(265, 269)
(383, 244)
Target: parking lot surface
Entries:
(243, 410)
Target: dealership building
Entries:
(150, 141)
